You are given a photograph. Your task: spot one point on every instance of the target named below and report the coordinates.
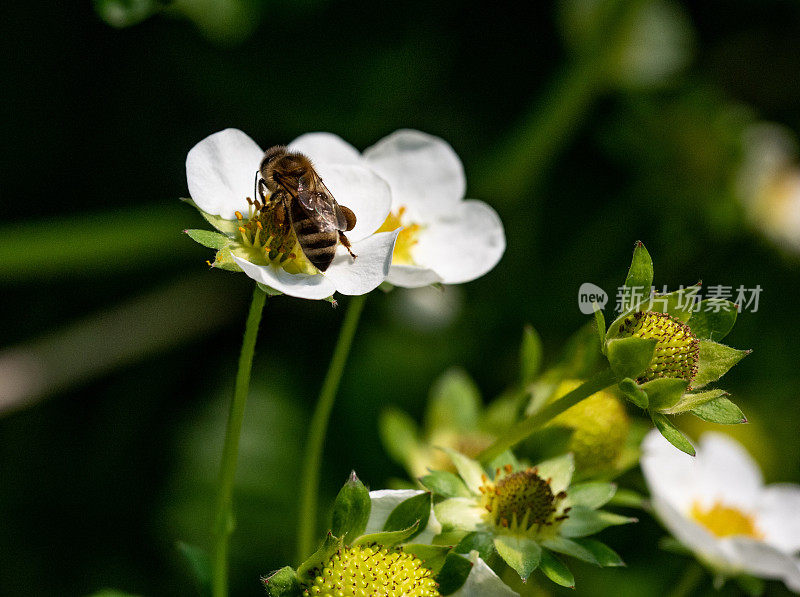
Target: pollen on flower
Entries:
(523, 503)
(725, 521)
(372, 570)
(406, 239)
(677, 348)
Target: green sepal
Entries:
(414, 510)
(629, 357)
(454, 403)
(672, 545)
(664, 392)
(445, 484)
(751, 585)
(640, 276)
(481, 542)
(229, 227)
(224, 260)
(630, 389)
(433, 556)
(678, 304)
(600, 324)
(713, 319)
(714, 361)
(521, 553)
(603, 554)
(672, 434)
(530, 355)
(569, 547)
(399, 434)
(268, 290)
(592, 494)
(692, 400)
(453, 574)
(720, 410)
(207, 238)
(351, 510)
(283, 583)
(199, 564)
(556, 570)
(628, 498)
(329, 546)
(125, 13)
(470, 470)
(584, 521)
(388, 538)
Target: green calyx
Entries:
(677, 349)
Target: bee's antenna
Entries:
(255, 185)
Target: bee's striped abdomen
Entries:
(318, 244)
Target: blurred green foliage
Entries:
(99, 481)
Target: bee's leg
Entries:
(346, 244)
(262, 190)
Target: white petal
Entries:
(727, 472)
(297, 285)
(422, 170)
(412, 276)
(692, 535)
(386, 500)
(220, 172)
(325, 148)
(363, 191)
(463, 244)
(483, 582)
(779, 516)
(764, 561)
(368, 269)
(671, 475)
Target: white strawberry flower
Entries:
(716, 504)
(220, 172)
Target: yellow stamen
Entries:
(406, 239)
(725, 521)
(239, 215)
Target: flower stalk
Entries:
(523, 429)
(223, 511)
(309, 485)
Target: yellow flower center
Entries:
(677, 348)
(725, 521)
(522, 503)
(373, 570)
(406, 239)
(267, 238)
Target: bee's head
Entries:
(279, 165)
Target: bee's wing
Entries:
(315, 198)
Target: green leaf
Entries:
(751, 585)
(207, 238)
(713, 319)
(556, 570)
(199, 564)
(521, 553)
(433, 555)
(600, 323)
(351, 510)
(455, 403)
(453, 574)
(481, 542)
(630, 389)
(229, 227)
(584, 521)
(714, 361)
(530, 354)
(664, 392)
(720, 410)
(558, 471)
(399, 434)
(569, 547)
(594, 494)
(414, 510)
(329, 547)
(672, 434)
(445, 484)
(283, 583)
(389, 538)
(629, 357)
(603, 554)
(692, 400)
(640, 276)
(471, 471)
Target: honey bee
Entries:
(295, 189)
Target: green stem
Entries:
(223, 512)
(523, 429)
(319, 425)
(689, 581)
